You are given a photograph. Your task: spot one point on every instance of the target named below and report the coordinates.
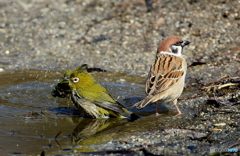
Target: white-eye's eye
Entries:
(75, 80)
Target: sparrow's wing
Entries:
(165, 72)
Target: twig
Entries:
(236, 143)
(222, 79)
(13, 132)
(134, 4)
(56, 139)
(225, 111)
(190, 97)
(215, 81)
(220, 86)
(57, 135)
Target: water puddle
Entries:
(33, 121)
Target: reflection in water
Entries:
(93, 131)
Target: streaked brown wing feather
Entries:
(167, 71)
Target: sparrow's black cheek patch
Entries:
(175, 51)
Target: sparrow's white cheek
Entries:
(176, 50)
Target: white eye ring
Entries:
(75, 80)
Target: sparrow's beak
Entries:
(66, 78)
(184, 43)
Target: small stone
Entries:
(220, 124)
(7, 52)
(160, 22)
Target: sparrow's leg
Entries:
(175, 103)
(156, 109)
(149, 5)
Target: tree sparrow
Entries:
(166, 77)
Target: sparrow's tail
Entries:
(141, 104)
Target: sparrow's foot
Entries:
(178, 114)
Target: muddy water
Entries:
(33, 121)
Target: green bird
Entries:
(62, 89)
(93, 99)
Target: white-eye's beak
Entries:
(66, 78)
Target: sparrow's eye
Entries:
(75, 80)
(178, 43)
